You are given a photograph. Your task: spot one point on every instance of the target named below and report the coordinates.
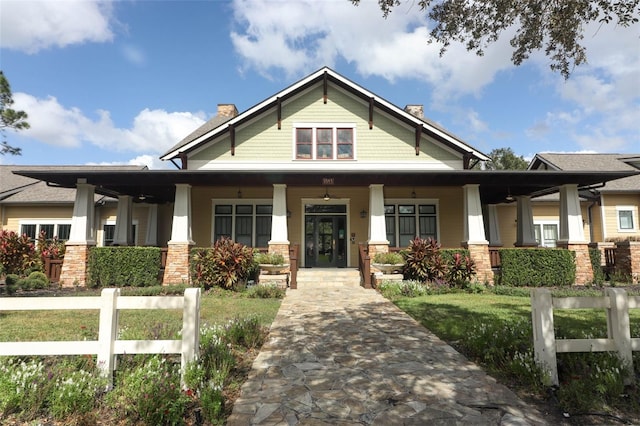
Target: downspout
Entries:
(590, 219)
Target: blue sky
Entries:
(120, 82)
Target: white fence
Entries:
(616, 302)
(109, 303)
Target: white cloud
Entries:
(150, 161)
(306, 35)
(34, 25)
(152, 131)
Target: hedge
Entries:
(537, 267)
(124, 266)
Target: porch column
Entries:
(474, 236)
(493, 226)
(378, 242)
(123, 235)
(151, 238)
(279, 242)
(572, 232)
(177, 268)
(525, 233)
(81, 237)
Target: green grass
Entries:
(215, 308)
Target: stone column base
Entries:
(584, 270)
(176, 270)
(281, 248)
(74, 265)
(479, 253)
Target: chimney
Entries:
(227, 110)
(415, 110)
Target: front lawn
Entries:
(495, 331)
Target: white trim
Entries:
(603, 219)
(295, 86)
(39, 222)
(416, 202)
(334, 201)
(347, 165)
(634, 218)
(314, 134)
(541, 223)
(112, 222)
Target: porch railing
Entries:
(609, 260)
(293, 265)
(494, 257)
(52, 268)
(364, 265)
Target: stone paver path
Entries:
(343, 355)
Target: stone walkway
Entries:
(343, 355)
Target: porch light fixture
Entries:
(509, 197)
(239, 193)
(413, 193)
(326, 195)
(363, 213)
(142, 197)
(288, 213)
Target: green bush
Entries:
(424, 261)
(537, 267)
(124, 266)
(596, 265)
(269, 258)
(75, 393)
(390, 258)
(11, 279)
(269, 291)
(225, 265)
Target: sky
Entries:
(120, 82)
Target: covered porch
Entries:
(327, 214)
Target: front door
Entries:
(325, 241)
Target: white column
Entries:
(122, 234)
(494, 225)
(571, 229)
(525, 233)
(377, 224)
(279, 234)
(181, 227)
(82, 223)
(473, 220)
(151, 239)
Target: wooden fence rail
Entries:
(109, 303)
(616, 302)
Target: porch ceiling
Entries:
(158, 186)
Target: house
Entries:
(322, 165)
(29, 206)
(610, 211)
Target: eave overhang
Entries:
(158, 186)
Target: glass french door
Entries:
(325, 241)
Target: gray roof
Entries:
(592, 162)
(206, 127)
(16, 189)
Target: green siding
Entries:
(260, 140)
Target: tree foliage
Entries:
(506, 159)
(556, 26)
(9, 117)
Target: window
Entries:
(51, 229)
(546, 234)
(626, 218)
(109, 233)
(248, 223)
(406, 221)
(326, 142)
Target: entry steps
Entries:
(345, 277)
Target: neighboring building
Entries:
(323, 164)
(29, 206)
(610, 211)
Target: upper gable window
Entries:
(324, 142)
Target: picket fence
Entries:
(616, 303)
(107, 347)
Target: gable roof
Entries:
(592, 162)
(17, 189)
(218, 125)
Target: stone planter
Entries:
(273, 269)
(389, 268)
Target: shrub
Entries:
(75, 393)
(407, 288)
(596, 259)
(149, 393)
(123, 266)
(269, 258)
(390, 258)
(225, 265)
(537, 267)
(17, 253)
(424, 261)
(23, 388)
(460, 270)
(11, 279)
(51, 247)
(268, 291)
